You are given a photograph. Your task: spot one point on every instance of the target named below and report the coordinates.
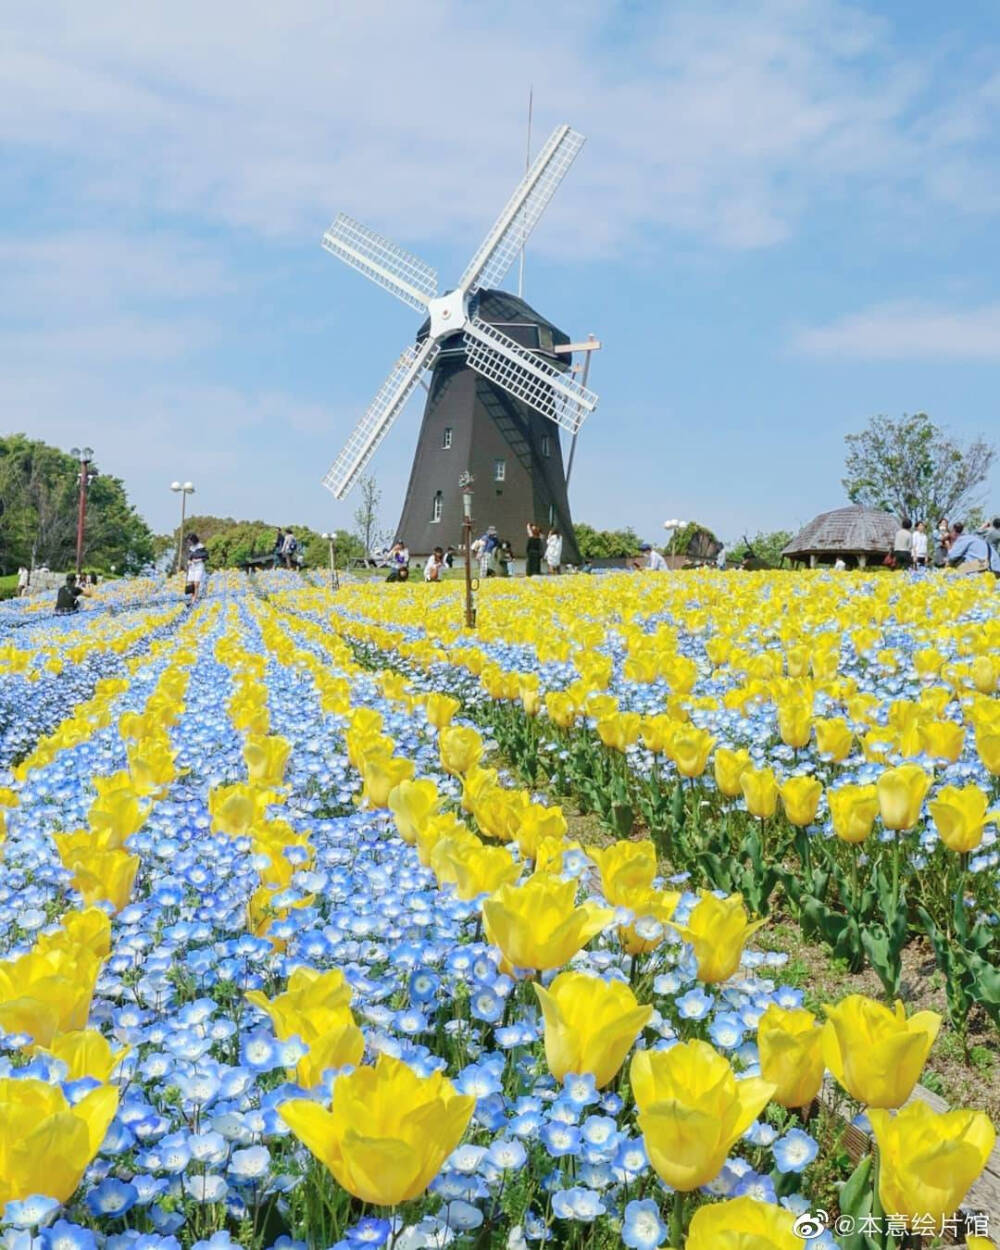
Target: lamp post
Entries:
(465, 485)
(183, 489)
(85, 456)
(332, 540)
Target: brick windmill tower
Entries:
(499, 391)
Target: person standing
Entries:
(919, 548)
(942, 541)
(991, 533)
(533, 551)
(553, 551)
(902, 544)
(196, 567)
(289, 547)
(720, 557)
(22, 582)
(505, 558)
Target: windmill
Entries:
(500, 387)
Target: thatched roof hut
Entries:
(858, 535)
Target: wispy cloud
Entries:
(906, 331)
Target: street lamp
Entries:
(465, 485)
(332, 540)
(85, 456)
(183, 489)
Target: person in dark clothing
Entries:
(67, 596)
(505, 558)
(279, 542)
(533, 550)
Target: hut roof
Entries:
(847, 531)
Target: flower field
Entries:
(300, 947)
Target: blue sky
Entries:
(784, 221)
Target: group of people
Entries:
(493, 555)
(975, 552)
(537, 549)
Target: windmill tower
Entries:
(499, 391)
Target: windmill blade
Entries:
(489, 265)
(382, 412)
(378, 258)
(527, 377)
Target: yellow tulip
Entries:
(86, 1053)
(538, 924)
(151, 764)
(441, 709)
(800, 798)
(119, 814)
(389, 1130)
(79, 933)
(441, 825)
(638, 937)
(601, 706)
(658, 732)
(266, 759)
(791, 1054)
(46, 1144)
(743, 1224)
(942, 739)
(692, 1110)
(960, 817)
(382, 774)
(620, 730)
(690, 748)
(834, 738)
(853, 809)
(535, 823)
(901, 793)
(412, 803)
(590, 1025)
(105, 876)
(561, 708)
(461, 748)
(550, 854)
(46, 992)
(362, 743)
(729, 768)
(477, 783)
(472, 868)
(315, 1008)
(985, 674)
(718, 930)
(8, 797)
(929, 1159)
(625, 866)
(988, 749)
(760, 790)
(237, 808)
(794, 723)
(877, 1054)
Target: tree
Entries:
(366, 514)
(911, 467)
(764, 546)
(39, 498)
(231, 543)
(597, 544)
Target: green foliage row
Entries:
(231, 543)
(39, 500)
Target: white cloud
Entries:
(723, 121)
(906, 331)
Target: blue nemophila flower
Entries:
(29, 1212)
(642, 1228)
(423, 985)
(251, 1164)
(578, 1204)
(560, 1139)
(752, 1185)
(507, 1155)
(694, 1005)
(112, 1197)
(63, 1235)
(794, 1151)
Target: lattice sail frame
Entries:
(498, 358)
(527, 377)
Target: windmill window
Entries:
(437, 507)
(446, 438)
(546, 445)
(499, 470)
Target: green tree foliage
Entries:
(765, 547)
(231, 543)
(39, 499)
(911, 467)
(597, 544)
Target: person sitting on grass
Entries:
(435, 566)
(971, 553)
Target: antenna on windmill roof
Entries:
(524, 374)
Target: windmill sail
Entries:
(384, 262)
